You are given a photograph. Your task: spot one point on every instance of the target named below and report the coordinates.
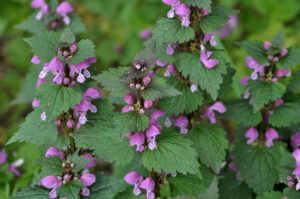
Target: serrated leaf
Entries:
(171, 31)
(286, 165)
(67, 36)
(256, 50)
(187, 102)
(131, 121)
(208, 79)
(32, 25)
(271, 195)
(52, 166)
(215, 20)
(171, 154)
(56, 99)
(44, 45)
(294, 85)
(70, 190)
(285, 115)
(258, 165)
(212, 192)
(34, 130)
(28, 90)
(278, 41)
(291, 59)
(106, 141)
(242, 112)
(104, 111)
(106, 187)
(263, 92)
(36, 192)
(111, 80)
(291, 193)
(79, 162)
(128, 195)
(85, 50)
(159, 88)
(76, 24)
(210, 142)
(204, 4)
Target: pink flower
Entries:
(53, 151)
(244, 81)
(44, 8)
(63, 9)
(145, 34)
(174, 4)
(204, 12)
(80, 70)
(170, 48)
(210, 37)
(283, 72)
(155, 115)
(267, 45)
(92, 93)
(171, 69)
(270, 135)
(182, 122)
(90, 157)
(252, 134)
(278, 102)
(204, 58)
(3, 156)
(253, 64)
(284, 52)
(130, 98)
(295, 140)
(209, 113)
(87, 179)
(138, 139)
(296, 155)
(57, 67)
(39, 82)
(148, 184)
(35, 102)
(194, 88)
(133, 178)
(51, 182)
(35, 60)
(151, 134)
(148, 104)
(160, 63)
(183, 12)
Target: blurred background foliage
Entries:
(115, 26)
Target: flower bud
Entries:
(148, 103)
(132, 85)
(284, 52)
(138, 86)
(65, 53)
(66, 81)
(146, 80)
(142, 111)
(70, 123)
(129, 99)
(73, 48)
(138, 66)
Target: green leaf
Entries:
(52, 166)
(70, 190)
(106, 142)
(131, 121)
(44, 45)
(208, 79)
(294, 85)
(187, 102)
(32, 25)
(258, 165)
(204, 4)
(36, 192)
(278, 41)
(287, 164)
(79, 162)
(36, 131)
(212, 192)
(28, 90)
(285, 115)
(291, 193)
(231, 188)
(56, 99)
(210, 142)
(106, 187)
(171, 31)
(256, 50)
(105, 111)
(85, 50)
(67, 36)
(111, 80)
(291, 59)
(128, 195)
(218, 17)
(263, 92)
(159, 88)
(242, 112)
(191, 184)
(76, 24)
(271, 195)
(171, 154)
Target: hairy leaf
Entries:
(286, 115)
(256, 50)
(36, 192)
(85, 50)
(32, 25)
(204, 4)
(291, 59)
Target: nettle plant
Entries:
(267, 118)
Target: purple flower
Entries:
(170, 48)
(130, 98)
(284, 52)
(35, 60)
(155, 115)
(51, 182)
(13, 167)
(133, 178)
(70, 123)
(174, 4)
(3, 156)
(87, 179)
(252, 134)
(232, 166)
(278, 102)
(138, 139)
(270, 135)
(194, 88)
(295, 140)
(151, 134)
(253, 64)
(148, 184)
(92, 93)
(283, 72)
(35, 102)
(267, 45)
(148, 104)
(44, 8)
(209, 113)
(296, 155)
(63, 9)
(244, 81)
(204, 58)
(89, 157)
(39, 82)
(204, 12)
(182, 122)
(247, 94)
(210, 37)
(57, 67)
(53, 151)
(160, 63)
(81, 69)
(126, 109)
(171, 69)
(43, 116)
(183, 12)
(145, 34)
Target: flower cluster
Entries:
(134, 105)
(62, 11)
(180, 9)
(270, 135)
(68, 176)
(148, 184)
